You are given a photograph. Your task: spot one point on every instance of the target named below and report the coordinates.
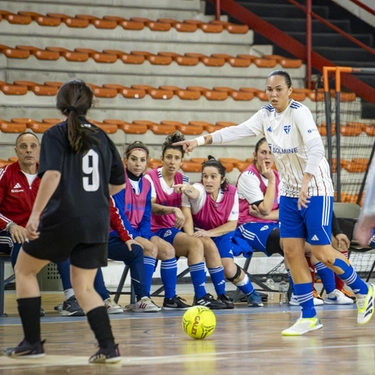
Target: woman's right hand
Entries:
(188, 146)
(32, 227)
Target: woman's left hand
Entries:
(201, 233)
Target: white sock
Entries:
(68, 293)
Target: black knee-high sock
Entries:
(99, 322)
(29, 310)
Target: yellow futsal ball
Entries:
(199, 322)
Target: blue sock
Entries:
(350, 277)
(218, 279)
(198, 278)
(291, 283)
(327, 276)
(304, 294)
(168, 274)
(149, 264)
(64, 271)
(245, 286)
(99, 285)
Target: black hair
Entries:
(135, 145)
(168, 144)
(212, 162)
(284, 74)
(24, 133)
(257, 145)
(74, 99)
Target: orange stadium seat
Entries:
(207, 126)
(99, 23)
(126, 58)
(17, 19)
(350, 131)
(154, 163)
(40, 54)
(4, 163)
(184, 128)
(70, 21)
(14, 53)
(209, 94)
(54, 84)
(39, 127)
(99, 57)
(70, 55)
(9, 89)
(206, 27)
(179, 26)
(233, 61)
(181, 60)
(128, 127)
(12, 127)
(153, 25)
(231, 27)
(207, 60)
(103, 92)
(191, 167)
(13, 159)
(153, 59)
(225, 124)
(41, 19)
(161, 128)
(182, 93)
(125, 23)
(107, 128)
(370, 130)
(52, 121)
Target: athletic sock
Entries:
(290, 280)
(339, 283)
(245, 285)
(198, 278)
(29, 310)
(99, 322)
(218, 279)
(68, 293)
(350, 277)
(168, 274)
(327, 276)
(304, 295)
(149, 264)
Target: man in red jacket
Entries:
(19, 185)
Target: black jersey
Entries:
(80, 204)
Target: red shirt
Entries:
(16, 195)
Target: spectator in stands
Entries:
(19, 184)
(306, 197)
(258, 188)
(167, 222)
(131, 215)
(214, 207)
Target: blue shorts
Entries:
(314, 223)
(256, 234)
(372, 239)
(168, 234)
(229, 248)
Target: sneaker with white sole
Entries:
(106, 355)
(70, 307)
(294, 301)
(365, 305)
(26, 350)
(337, 298)
(175, 303)
(302, 326)
(144, 305)
(112, 307)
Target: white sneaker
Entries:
(302, 326)
(365, 305)
(112, 307)
(144, 305)
(294, 301)
(337, 298)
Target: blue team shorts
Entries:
(372, 239)
(168, 234)
(229, 248)
(313, 223)
(256, 234)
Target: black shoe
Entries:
(175, 303)
(70, 307)
(42, 312)
(228, 301)
(25, 349)
(209, 301)
(106, 355)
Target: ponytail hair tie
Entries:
(70, 109)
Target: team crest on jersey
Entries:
(167, 233)
(269, 129)
(265, 227)
(287, 128)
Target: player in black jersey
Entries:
(80, 168)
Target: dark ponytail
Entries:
(212, 162)
(74, 99)
(177, 136)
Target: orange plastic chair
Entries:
(70, 21)
(207, 126)
(107, 128)
(225, 124)
(70, 55)
(231, 27)
(350, 131)
(179, 26)
(128, 127)
(12, 127)
(161, 129)
(9, 89)
(14, 53)
(41, 19)
(103, 92)
(181, 60)
(39, 127)
(191, 167)
(207, 60)
(182, 93)
(209, 94)
(52, 121)
(233, 61)
(184, 128)
(126, 57)
(153, 25)
(153, 59)
(99, 23)
(40, 54)
(154, 163)
(370, 130)
(98, 56)
(17, 19)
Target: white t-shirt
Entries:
(287, 134)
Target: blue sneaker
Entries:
(254, 299)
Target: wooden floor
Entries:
(246, 341)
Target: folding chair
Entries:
(3, 282)
(120, 286)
